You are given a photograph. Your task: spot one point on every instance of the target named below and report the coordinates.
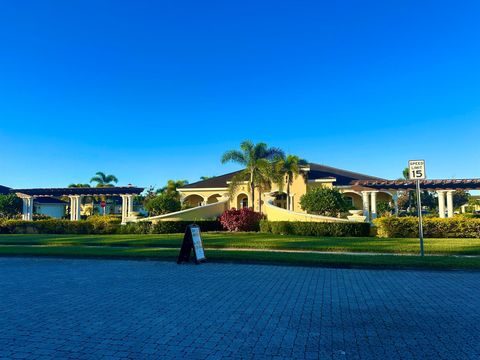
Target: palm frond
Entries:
(234, 156)
(235, 182)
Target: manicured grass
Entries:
(307, 259)
(257, 241)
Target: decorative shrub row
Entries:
(94, 225)
(100, 225)
(315, 228)
(407, 227)
(168, 227)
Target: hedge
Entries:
(168, 227)
(315, 228)
(407, 227)
(100, 225)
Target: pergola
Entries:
(75, 195)
(444, 188)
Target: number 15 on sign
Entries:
(416, 169)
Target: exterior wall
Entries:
(52, 210)
(274, 213)
(206, 212)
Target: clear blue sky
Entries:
(152, 90)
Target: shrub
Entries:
(315, 228)
(108, 224)
(241, 220)
(170, 227)
(457, 227)
(10, 206)
(162, 204)
(323, 201)
(53, 226)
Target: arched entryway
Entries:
(242, 201)
(193, 200)
(280, 200)
(213, 198)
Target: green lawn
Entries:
(257, 241)
(307, 259)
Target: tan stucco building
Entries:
(274, 199)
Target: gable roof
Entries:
(213, 182)
(317, 171)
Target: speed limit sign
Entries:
(416, 170)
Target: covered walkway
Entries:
(75, 195)
(444, 189)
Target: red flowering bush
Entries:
(241, 220)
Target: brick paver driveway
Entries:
(111, 309)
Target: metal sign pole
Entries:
(420, 220)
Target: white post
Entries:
(25, 208)
(291, 203)
(28, 208)
(441, 203)
(450, 203)
(130, 206)
(395, 202)
(373, 195)
(124, 209)
(72, 208)
(78, 208)
(366, 205)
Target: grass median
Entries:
(165, 246)
(264, 257)
(258, 241)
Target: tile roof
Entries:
(343, 177)
(213, 182)
(317, 171)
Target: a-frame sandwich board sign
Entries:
(192, 240)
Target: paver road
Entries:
(115, 309)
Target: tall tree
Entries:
(288, 168)
(10, 206)
(257, 160)
(104, 180)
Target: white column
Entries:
(366, 205)
(291, 207)
(124, 209)
(450, 203)
(441, 203)
(27, 213)
(130, 205)
(395, 202)
(72, 208)
(78, 208)
(373, 196)
(25, 209)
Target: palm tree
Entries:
(171, 187)
(104, 180)
(257, 160)
(288, 168)
(78, 185)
